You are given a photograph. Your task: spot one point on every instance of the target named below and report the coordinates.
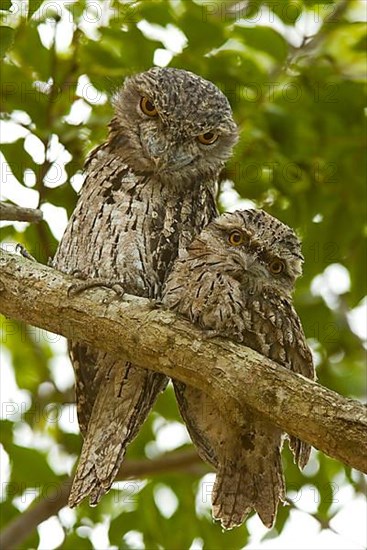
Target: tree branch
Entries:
(13, 213)
(159, 340)
(22, 526)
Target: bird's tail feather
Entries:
(122, 405)
(301, 451)
(250, 483)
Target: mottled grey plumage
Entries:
(148, 191)
(236, 281)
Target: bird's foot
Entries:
(207, 334)
(76, 288)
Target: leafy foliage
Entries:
(293, 72)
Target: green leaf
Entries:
(5, 5)
(6, 39)
(191, 24)
(264, 39)
(30, 469)
(34, 60)
(361, 44)
(17, 158)
(7, 511)
(153, 11)
(288, 12)
(33, 6)
(73, 541)
(6, 426)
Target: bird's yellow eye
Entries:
(276, 267)
(208, 138)
(148, 107)
(235, 238)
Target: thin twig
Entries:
(13, 213)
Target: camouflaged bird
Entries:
(148, 191)
(236, 281)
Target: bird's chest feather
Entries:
(129, 227)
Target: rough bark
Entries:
(160, 341)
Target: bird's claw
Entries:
(207, 334)
(76, 288)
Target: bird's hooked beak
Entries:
(165, 156)
(159, 155)
(244, 267)
(159, 163)
(248, 262)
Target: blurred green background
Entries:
(294, 73)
